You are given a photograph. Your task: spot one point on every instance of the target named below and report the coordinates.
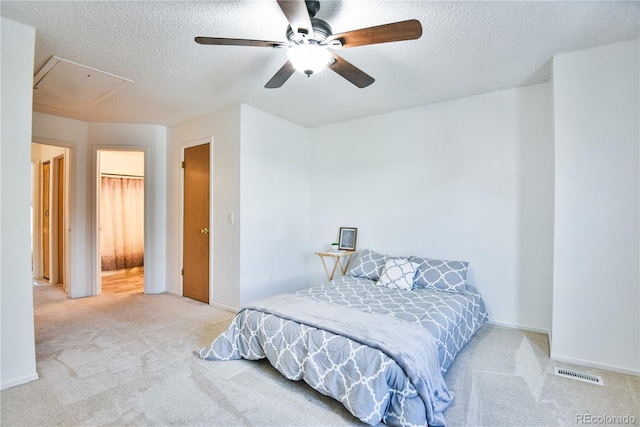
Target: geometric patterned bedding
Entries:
(369, 383)
(451, 318)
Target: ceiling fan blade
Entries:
(219, 41)
(350, 72)
(281, 76)
(398, 31)
(297, 15)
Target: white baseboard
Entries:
(562, 358)
(589, 364)
(213, 304)
(224, 307)
(18, 381)
(521, 327)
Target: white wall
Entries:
(596, 297)
(122, 162)
(470, 179)
(43, 153)
(18, 352)
(274, 205)
(224, 127)
(261, 176)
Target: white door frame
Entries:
(96, 277)
(184, 146)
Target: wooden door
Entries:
(60, 214)
(46, 168)
(196, 234)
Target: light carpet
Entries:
(126, 359)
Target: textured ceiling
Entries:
(467, 48)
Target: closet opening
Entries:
(49, 214)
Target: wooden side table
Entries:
(337, 260)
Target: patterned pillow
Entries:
(369, 265)
(439, 274)
(398, 274)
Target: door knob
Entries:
(204, 231)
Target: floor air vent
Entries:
(580, 376)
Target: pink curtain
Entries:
(122, 223)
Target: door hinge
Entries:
(183, 165)
(182, 272)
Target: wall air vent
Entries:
(580, 376)
(73, 87)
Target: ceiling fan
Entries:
(310, 38)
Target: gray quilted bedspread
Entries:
(375, 376)
(451, 318)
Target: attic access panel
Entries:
(74, 87)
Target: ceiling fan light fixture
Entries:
(309, 58)
(309, 39)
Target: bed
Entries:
(377, 339)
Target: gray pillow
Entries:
(369, 265)
(449, 276)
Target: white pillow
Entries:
(398, 274)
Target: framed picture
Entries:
(347, 238)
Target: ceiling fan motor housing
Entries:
(321, 31)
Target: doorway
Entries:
(196, 220)
(49, 213)
(121, 236)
